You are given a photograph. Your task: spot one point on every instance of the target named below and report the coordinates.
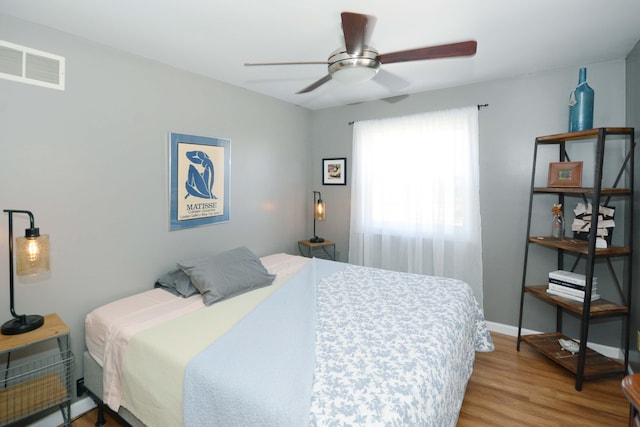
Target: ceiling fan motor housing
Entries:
(347, 67)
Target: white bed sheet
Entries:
(109, 328)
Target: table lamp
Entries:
(318, 214)
(32, 257)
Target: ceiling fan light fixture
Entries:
(348, 68)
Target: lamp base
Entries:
(22, 324)
(316, 239)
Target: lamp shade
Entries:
(32, 255)
(319, 212)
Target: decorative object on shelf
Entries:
(565, 174)
(605, 223)
(334, 171)
(199, 170)
(318, 214)
(569, 345)
(32, 257)
(581, 104)
(557, 225)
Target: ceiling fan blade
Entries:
(443, 51)
(357, 30)
(315, 85)
(391, 81)
(394, 99)
(255, 64)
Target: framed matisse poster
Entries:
(334, 171)
(198, 180)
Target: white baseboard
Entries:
(612, 352)
(78, 408)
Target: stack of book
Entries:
(571, 285)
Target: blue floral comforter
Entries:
(342, 345)
(393, 348)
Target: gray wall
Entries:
(520, 109)
(633, 120)
(91, 162)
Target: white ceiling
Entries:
(215, 38)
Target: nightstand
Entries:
(326, 249)
(40, 382)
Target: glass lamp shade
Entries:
(32, 255)
(354, 75)
(319, 211)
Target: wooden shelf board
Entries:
(31, 396)
(596, 364)
(584, 134)
(577, 246)
(599, 308)
(582, 190)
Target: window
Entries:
(415, 198)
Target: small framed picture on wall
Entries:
(334, 171)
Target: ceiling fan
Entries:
(358, 61)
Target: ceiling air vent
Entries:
(26, 65)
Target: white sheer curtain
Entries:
(414, 197)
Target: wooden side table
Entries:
(40, 383)
(327, 249)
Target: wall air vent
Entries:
(26, 65)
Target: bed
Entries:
(322, 343)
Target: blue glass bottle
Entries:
(581, 105)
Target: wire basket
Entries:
(34, 386)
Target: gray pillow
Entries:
(227, 274)
(178, 283)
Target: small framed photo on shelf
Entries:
(565, 174)
(334, 171)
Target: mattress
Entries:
(137, 312)
(109, 328)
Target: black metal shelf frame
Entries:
(626, 168)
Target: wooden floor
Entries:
(510, 388)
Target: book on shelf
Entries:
(594, 284)
(571, 291)
(594, 297)
(570, 277)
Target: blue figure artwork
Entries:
(200, 184)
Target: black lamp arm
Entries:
(31, 219)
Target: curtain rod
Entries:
(479, 107)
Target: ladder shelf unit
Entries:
(586, 363)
